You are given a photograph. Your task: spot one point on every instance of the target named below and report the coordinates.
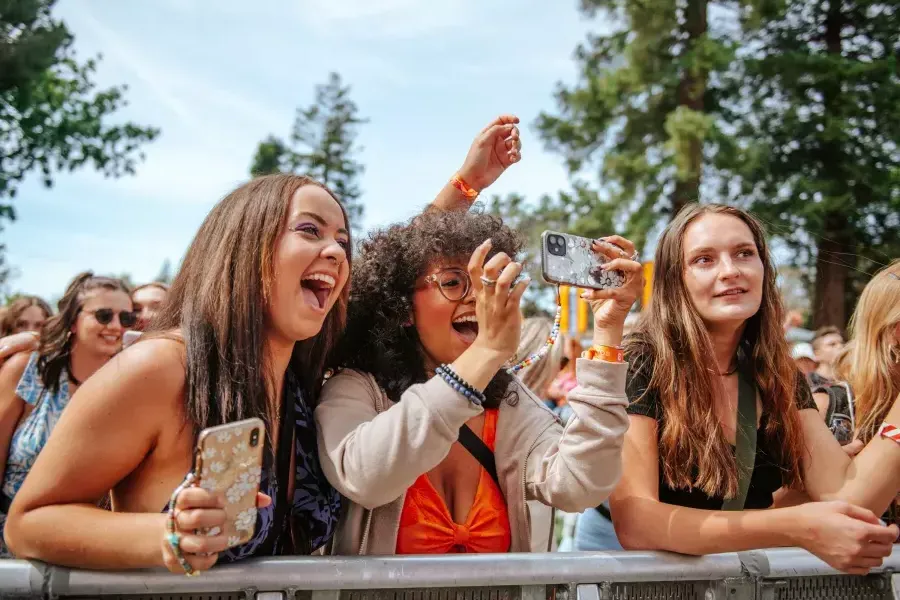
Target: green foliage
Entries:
(815, 108)
(321, 145)
(52, 117)
(642, 114)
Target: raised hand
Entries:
(497, 300)
(611, 306)
(494, 150)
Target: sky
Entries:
(428, 76)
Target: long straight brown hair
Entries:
(672, 348)
(218, 301)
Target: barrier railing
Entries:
(758, 575)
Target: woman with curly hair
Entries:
(433, 319)
(710, 344)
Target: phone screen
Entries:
(130, 337)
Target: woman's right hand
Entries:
(199, 509)
(497, 305)
(847, 537)
(27, 341)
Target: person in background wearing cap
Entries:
(805, 359)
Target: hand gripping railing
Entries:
(757, 575)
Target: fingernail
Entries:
(584, 295)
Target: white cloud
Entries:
(383, 18)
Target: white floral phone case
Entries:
(229, 461)
(569, 260)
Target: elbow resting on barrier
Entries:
(748, 575)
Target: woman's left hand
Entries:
(611, 306)
(496, 148)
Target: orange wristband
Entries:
(610, 354)
(459, 183)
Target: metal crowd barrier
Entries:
(788, 574)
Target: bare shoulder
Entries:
(12, 370)
(151, 371)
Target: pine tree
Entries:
(643, 111)
(816, 111)
(322, 145)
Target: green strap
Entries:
(745, 440)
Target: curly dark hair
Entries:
(384, 276)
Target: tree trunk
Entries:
(691, 91)
(829, 306)
(832, 261)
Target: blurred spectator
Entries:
(27, 313)
(36, 387)
(804, 358)
(827, 345)
(148, 300)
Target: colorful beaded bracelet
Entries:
(543, 350)
(172, 535)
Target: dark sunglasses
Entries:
(105, 316)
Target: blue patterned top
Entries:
(316, 505)
(31, 436)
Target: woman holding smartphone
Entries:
(258, 304)
(438, 448)
(35, 387)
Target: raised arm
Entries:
(495, 149)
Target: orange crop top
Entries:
(426, 526)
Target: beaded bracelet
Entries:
(459, 384)
(172, 535)
(543, 350)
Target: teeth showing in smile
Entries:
(466, 319)
(321, 277)
(110, 338)
(732, 292)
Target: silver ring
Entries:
(487, 281)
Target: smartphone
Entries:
(569, 260)
(228, 461)
(130, 337)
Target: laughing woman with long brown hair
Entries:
(259, 302)
(714, 327)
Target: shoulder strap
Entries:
(477, 448)
(745, 440)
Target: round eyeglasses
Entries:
(453, 283)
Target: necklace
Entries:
(730, 372)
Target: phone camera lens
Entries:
(556, 245)
(254, 438)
